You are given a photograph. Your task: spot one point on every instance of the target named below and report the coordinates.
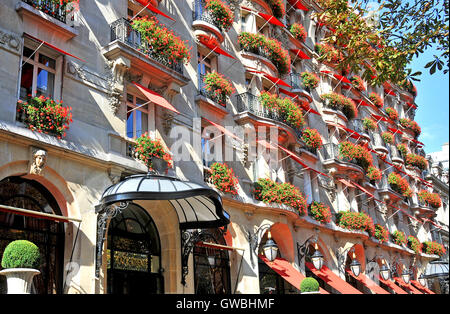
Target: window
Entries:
(212, 144)
(137, 116)
(204, 65)
(38, 73)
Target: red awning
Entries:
(395, 130)
(35, 214)
(407, 286)
(419, 286)
(155, 98)
(298, 159)
(363, 189)
(53, 47)
(276, 80)
(418, 142)
(288, 93)
(307, 107)
(379, 118)
(300, 54)
(389, 92)
(153, 9)
(411, 105)
(369, 283)
(342, 78)
(363, 103)
(332, 279)
(393, 286)
(271, 19)
(298, 5)
(353, 133)
(224, 130)
(285, 269)
(212, 44)
(350, 185)
(266, 144)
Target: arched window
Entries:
(46, 234)
(133, 253)
(212, 267)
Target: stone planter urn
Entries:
(19, 280)
(311, 292)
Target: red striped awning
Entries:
(406, 285)
(379, 118)
(224, 130)
(276, 80)
(393, 286)
(148, 5)
(298, 5)
(288, 93)
(285, 269)
(53, 47)
(300, 54)
(332, 279)
(420, 287)
(363, 189)
(155, 97)
(369, 283)
(363, 103)
(342, 78)
(395, 130)
(271, 19)
(212, 44)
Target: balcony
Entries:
(208, 101)
(204, 23)
(358, 126)
(298, 87)
(422, 208)
(340, 165)
(386, 192)
(249, 107)
(46, 16)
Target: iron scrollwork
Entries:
(104, 216)
(303, 249)
(254, 239)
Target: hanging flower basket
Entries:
(311, 138)
(392, 113)
(399, 237)
(399, 184)
(387, 137)
(416, 161)
(269, 191)
(285, 108)
(374, 174)
(381, 233)
(44, 115)
(309, 80)
(431, 199)
(218, 87)
(351, 151)
(320, 212)
(414, 244)
(223, 178)
(340, 102)
(358, 83)
(221, 13)
(431, 247)
(152, 153)
(403, 149)
(355, 221)
(369, 124)
(298, 31)
(411, 125)
(376, 100)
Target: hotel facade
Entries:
(104, 223)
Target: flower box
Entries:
(299, 32)
(431, 247)
(320, 212)
(411, 125)
(221, 13)
(153, 154)
(339, 102)
(278, 7)
(374, 174)
(309, 80)
(376, 100)
(312, 139)
(288, 112)
(399, 237)
(399, 184)
(431, 199)
(392, 113)
(356, 152)
(223, 178)
(416, 161)
(355, 221)
(387, 137)
(217, 87)
(381, 233)
(414, 244)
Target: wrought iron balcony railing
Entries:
(249, 102)
(123, 31)
(357, 125)
(330, 151)
(220, 99)
(200, 13)
(50, 7)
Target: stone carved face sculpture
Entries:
(39, 161)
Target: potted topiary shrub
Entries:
(309, 285)
(21, 261)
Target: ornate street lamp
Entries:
(317, 258)
(270, 248)
(422, 280)
(384, 271)
(405, 275)
(355, 266)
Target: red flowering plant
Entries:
(403, 149)
(355, 221)
(328, 53)
(357, 152)
(381, 233)
(411, 125)
(357, 83)
(340, 102)
(218, 87)
(431, 247)
(298, 31)
(431, 199)
(392, 113)
(409, 87)
(278, 8)
(267, 47)
(269, 191)
(44, 115)
(223, 178)
(290, 112)
(309, 79)
(320, 212)
(311, 138)
(159, 40)
(373, 173)
(399, 237)
(369, 124)
(221, 12)
(387, 137)
(399, 184)
(416, 161)
(376, 100)
(147, 149)
(414, 244)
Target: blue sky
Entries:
(432, 100)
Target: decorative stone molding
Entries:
(118, 69)
(10, 41)
(167, 122)
(114, 175)
(38, 160)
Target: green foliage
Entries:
(309, 284)
(21, 254)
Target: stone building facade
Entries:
(91, 59)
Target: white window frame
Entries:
(135, 107)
